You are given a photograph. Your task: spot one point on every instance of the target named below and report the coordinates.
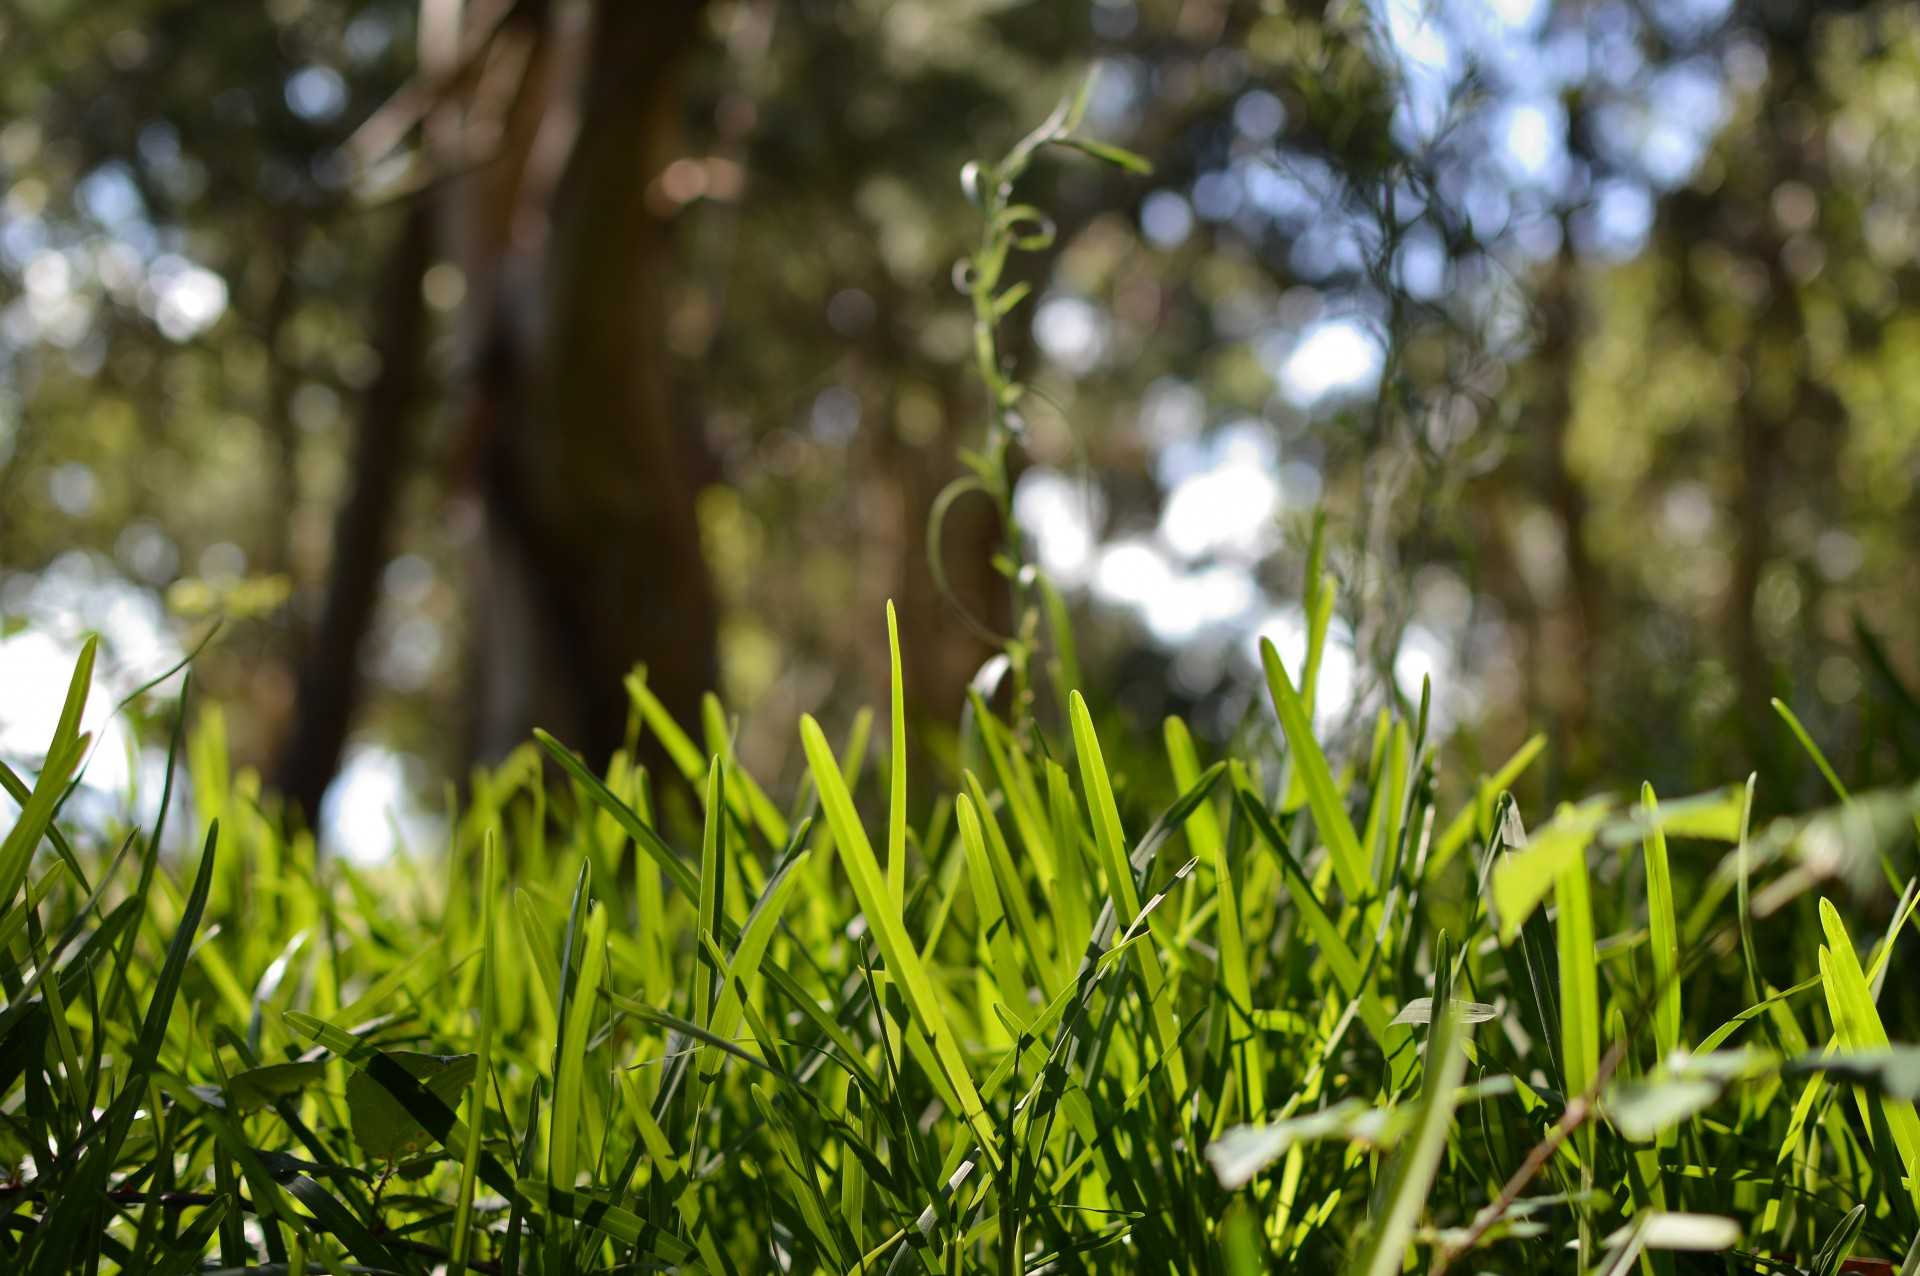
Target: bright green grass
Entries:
(1102, 1007)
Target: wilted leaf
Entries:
(1641, 1109)
(1894, 1071)
(1245, 1150)
(1420, 1010)
(1662, 1230)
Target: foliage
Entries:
(1035, 1029)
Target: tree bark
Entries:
(1580, 621)
(329, 678)
(592, 560)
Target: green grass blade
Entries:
(1310, 764)
(629, 820)
(1125, 895)
(1663, 930)
(897, 776)
(1416, 1162)
(889, 932)
(713, 890)
(583, 1007)
(1813, 750)
(1858, 1029)
(623, 1225)
(754, 938)
(1579, 982)
(477, 1097)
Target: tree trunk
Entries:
(591, 560)
(1576, 628)
(329, 678)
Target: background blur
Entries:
(464, 352)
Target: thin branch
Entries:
(1576, 1114)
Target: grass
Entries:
(1100, 1008)
(1093, 1002)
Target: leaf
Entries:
(1117, 156)
(897, 771)
(628, 819)
(622, 1225)
(1833, 1252)
(1579, 981)
(1858, 1030)
(1523, 878)
(889, 930)
(1121, 889)
(260, 1087)
(1411, 1173)
(1893, 1071)
(483, 1066)
(1813, 750)
(583, 1007)
(1420, 1010)
(1641, 1110)
(1348, 973)
(63, 757)
(1245, 1150)
(381, 1126)
(1659, 1229)
(1329, 814)
(1665, 931)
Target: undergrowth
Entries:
(1054, 1023)
(1095, 1004)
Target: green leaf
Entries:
(628, 819)
(1579, 980)
(1411, 1173)
(1121, 889)
(1857, 1030)
(381, 1126)
(1664, 929)
(262, 1086)
(1523, 878)
(1329, 813)
(889, 931)
(897, 772)
(1118, 156)
(623, 1225)
(1813, 750)
(63, 758)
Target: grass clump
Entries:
(1096, 1010)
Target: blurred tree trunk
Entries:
(329, 670)
(1580, 620)
(591, 555)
